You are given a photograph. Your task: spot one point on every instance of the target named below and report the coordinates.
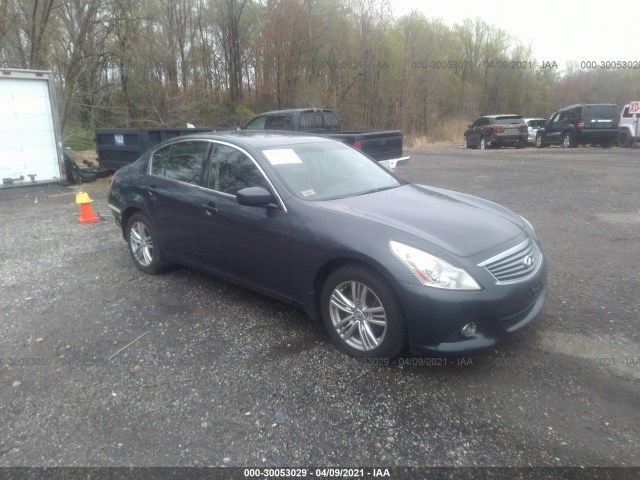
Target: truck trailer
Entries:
(30, 137)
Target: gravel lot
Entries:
(222, 376)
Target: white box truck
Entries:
(30, 145)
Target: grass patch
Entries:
(79, 138)
(450, 131)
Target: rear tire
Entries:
(568, 141)
(144, 247)
(483, 144)
(624, 138)
(362, 313)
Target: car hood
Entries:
(462, 224)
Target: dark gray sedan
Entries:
(315, 223)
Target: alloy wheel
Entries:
(357, 315)
(141, 243)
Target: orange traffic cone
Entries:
(87, 215)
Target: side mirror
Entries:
(470, 125)
(254, 197)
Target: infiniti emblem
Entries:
(528, 260)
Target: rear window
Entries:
(536, 123)
(331, 121)
(315, 121)
(509, 120)
(600, 111)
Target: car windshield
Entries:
(327, 170)
(508, 120)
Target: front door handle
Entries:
(209, 208)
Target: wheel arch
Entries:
(330, 266)
(127, 213)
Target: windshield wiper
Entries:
(379, 189)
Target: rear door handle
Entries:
(209, 208)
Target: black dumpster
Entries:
(117, 147)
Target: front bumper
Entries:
(435, 317)
(393, 163)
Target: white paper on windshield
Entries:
(281, 156)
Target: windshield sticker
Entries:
(308, 193)
(281, 156)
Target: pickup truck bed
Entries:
(383, 146)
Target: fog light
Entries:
(468, 330)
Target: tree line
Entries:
(132, 63)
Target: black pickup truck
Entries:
(385, 146)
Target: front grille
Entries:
(516, 264)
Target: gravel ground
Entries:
(102, 365)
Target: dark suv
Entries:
(592, 124)
(496, 131)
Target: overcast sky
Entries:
(557, 31)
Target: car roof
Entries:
(589, 105)
(503, 115)
(295, 110)
(256, 138)
(534, 118)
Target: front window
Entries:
(327, 170)
(256, 124)
(231, 170)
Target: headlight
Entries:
(431, 270)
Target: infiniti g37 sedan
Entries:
(385, 264)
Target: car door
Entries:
(551, 131)
(249, 243)
(562, 124)
(171, 187)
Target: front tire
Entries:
(143, 245)
(539, 142)
(483, 144)
(362, 313)
(464, 143)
